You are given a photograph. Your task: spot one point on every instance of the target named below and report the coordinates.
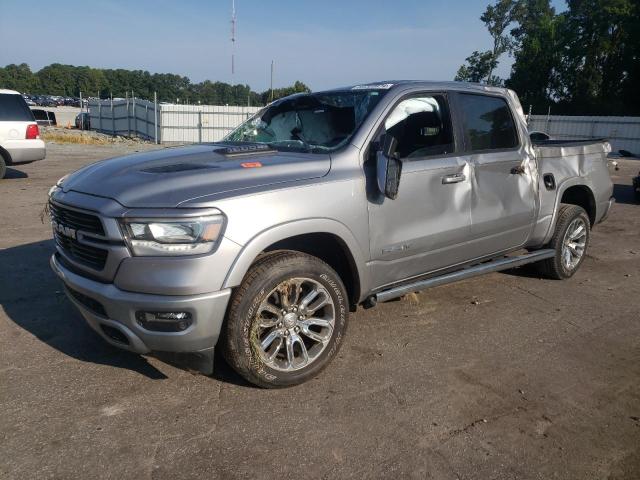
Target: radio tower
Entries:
(233, 36)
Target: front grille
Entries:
(67, 218)
(95, 258)
(92, 304)
(76, 220)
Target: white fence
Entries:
(171, 123)
(622, 132)
(200, 123)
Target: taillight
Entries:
(32, 132)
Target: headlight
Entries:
(58, 185)
(153, 237)
(61, 180)
(53, 190)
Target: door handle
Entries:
(455, 178)
(519, 170)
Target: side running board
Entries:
(470, 272)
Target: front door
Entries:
(424, 228)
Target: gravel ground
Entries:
(500, 377)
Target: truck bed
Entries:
(585, 149)
(568, 143)
(572, 162)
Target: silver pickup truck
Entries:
(263, 243)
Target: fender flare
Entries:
(283, 231)
(571, 182)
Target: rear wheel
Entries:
(570, 241)
(286, 321)
(3, 167)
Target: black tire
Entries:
(554, 267)
(241, 324)
(3, 167)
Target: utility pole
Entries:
(233, 37)
(81, 110)
(271, 95)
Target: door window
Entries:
(422, 126)
(488, 122)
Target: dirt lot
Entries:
(505, 376)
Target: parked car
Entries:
(28, 100)
(72, 102)
(44, 118)
(19, 134)
(263, 243)
(83, 122)
(636, 186)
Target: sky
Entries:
(327, 43)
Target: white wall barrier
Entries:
(171, 123)
(622, 132)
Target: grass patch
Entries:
(77, 138)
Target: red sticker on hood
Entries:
(251, 165)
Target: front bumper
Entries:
(106, 307)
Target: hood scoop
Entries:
(177, 167)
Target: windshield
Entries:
(314, 122)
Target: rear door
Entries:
(425, 227)
(504, 198)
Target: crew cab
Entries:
(262, 244)
(19, 134)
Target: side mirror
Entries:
(388, 168)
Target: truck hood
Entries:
(169, 177)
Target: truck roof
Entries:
(8, 92)
(430, 84)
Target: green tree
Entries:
(297, 87)
(478, 66)
(497, 18)
(18, 77)
(600, 49)
(70, 80)
(537, 52)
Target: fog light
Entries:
(164, 321)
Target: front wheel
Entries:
(570, 241)
(286, 321)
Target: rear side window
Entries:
(488, 122)
(14, 108)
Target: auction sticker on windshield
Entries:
(380, 86)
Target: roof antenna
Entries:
(233, 36)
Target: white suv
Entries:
(19, 134)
